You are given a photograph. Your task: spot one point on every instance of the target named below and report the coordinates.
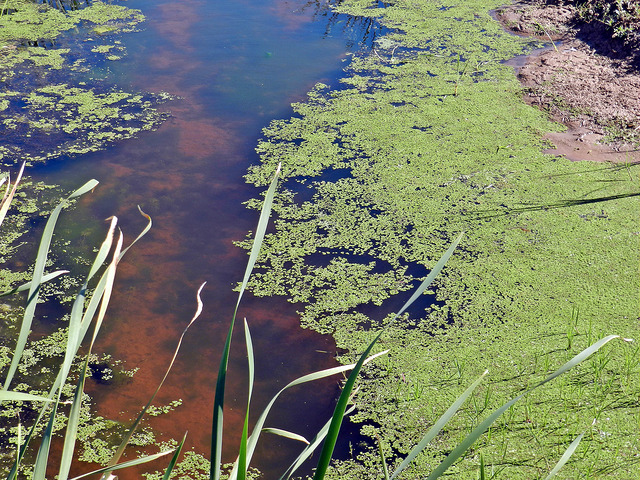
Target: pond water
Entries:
(235, 66)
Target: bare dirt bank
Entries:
(588, 81)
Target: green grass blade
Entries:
(435, 271)
(265, 213)
(383, 460)
(437, 427)
(218, 403)
(21, 397)
(338, 415)
(42, 458)
(130, 463)
(72, 425)
(174, 459)
(38, 272)
(8, 196)
(242, 453)
(127, 437)
(480, 429)
(27, 286)
(259, 425)
(308, 451)
(286, 434)
(565, 457)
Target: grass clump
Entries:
(622, 17)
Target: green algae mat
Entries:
(428, 137)
(55, 100)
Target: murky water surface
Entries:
(235, 64)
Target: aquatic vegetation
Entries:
(428, 148)
(49, 372)
(71, 114)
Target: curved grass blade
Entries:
(27, 286)
(437, 427)
(21, 397)
(174, 459)
(127, 437)
(38, 272)
(286, 434)
(5, 203)
(463, 446)
(259, 425)
(565, 457)
(242, 453)
(313, 445)
(218, 404)
(130, 463)
(339, 412)
(72, 425)
(42, 458)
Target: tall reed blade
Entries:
(437, 427)
(463, 446)
(38, 272)
(242, 456)
(218, 403)
(339, 412)
(174, 459)
(127, 437)
(565, 457)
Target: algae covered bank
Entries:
(427, 137)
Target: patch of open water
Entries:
(235, 66)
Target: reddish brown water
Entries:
(236, 65)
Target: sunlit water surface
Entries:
(235, 64)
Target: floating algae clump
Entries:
(427, 138)
(69, 115)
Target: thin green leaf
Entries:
(286, 434)
(174, 459)
(130, 463)
(259, 425)
(437, 427)
(565, 457)
(38, 272)
(242, 454)
(21, 397)
(27, 286)
(308, 451)
(383, 460)
(127, 437)
(338, 414)
(218, 403)
(42, 458)
(72, 425)
(435, 271)
(477, 432)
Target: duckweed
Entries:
(436, 140)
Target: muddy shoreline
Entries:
(585, 80)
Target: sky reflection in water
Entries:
(235, 66)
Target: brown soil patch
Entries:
(587, 81)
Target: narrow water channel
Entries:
(235, 66)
